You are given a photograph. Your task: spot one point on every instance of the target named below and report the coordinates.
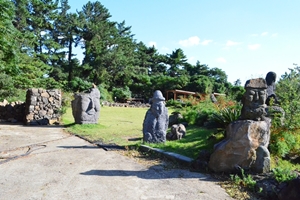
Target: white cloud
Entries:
(192, 59)
(165, 49)
(221, 60)
(232, 43)
(151, 44)
(192, 41)
(206, 42)
(253, 46)
(264, 34)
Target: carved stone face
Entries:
(255, 97)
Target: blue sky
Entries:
(246, 39)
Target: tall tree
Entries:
(177, 62)
(8, 44)
(96, 33)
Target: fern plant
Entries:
(226, 116)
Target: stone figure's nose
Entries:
(256, 96)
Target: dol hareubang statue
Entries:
(156, 120)
(86, 106)
(247, 139)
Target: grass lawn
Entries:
(123, 126)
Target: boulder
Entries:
(243, 138)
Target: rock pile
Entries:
(43, 106)
(12, 112)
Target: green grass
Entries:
(196, 139)
(123, 126)
(119, 125)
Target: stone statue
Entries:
(156, 120)
(86, 106)
(270, 79)
(247, 139)
(254, 107)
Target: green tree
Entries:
(8, 43)
(288, 92)
(97, 35)
(177, 62)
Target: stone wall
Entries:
(12, 112)
(43, 107)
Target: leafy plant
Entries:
(283, 175)
(244, 180)
(288, 92)
(121, 94)
(225, 116)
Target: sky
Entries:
(246, 39)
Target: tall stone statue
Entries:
(156, 120)
(247, 139)
(86, 106)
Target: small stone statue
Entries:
(156, 120)
(270, 79)
(254, 107)
(86, 106)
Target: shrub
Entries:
(225, 116)
(288, 92)
(244, 180)
(283, 175)
(283, 142)
(121, 94)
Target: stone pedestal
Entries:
(245, 146)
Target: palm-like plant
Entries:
(226, 116)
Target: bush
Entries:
(288, 92)
(121, 94)
(284, 142)
(225, 116)
(283, 175)
(197, 114)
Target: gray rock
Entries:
(178, 131)
(239, 147)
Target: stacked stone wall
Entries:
(43, 107)
(12, 112)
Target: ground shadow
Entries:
(79, 147)
(154, 172)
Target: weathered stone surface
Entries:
(271, 79)
(39, 110)
(239, 147)
(86, 107)
(291, 191)
(177, 132)
(254, 100)
(156, 120)
(174, 118)
(13, 111)
(262, 163)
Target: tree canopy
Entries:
(37, 41)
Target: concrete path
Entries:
(47, 163)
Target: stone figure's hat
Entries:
(256, 83)
(157, 95)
